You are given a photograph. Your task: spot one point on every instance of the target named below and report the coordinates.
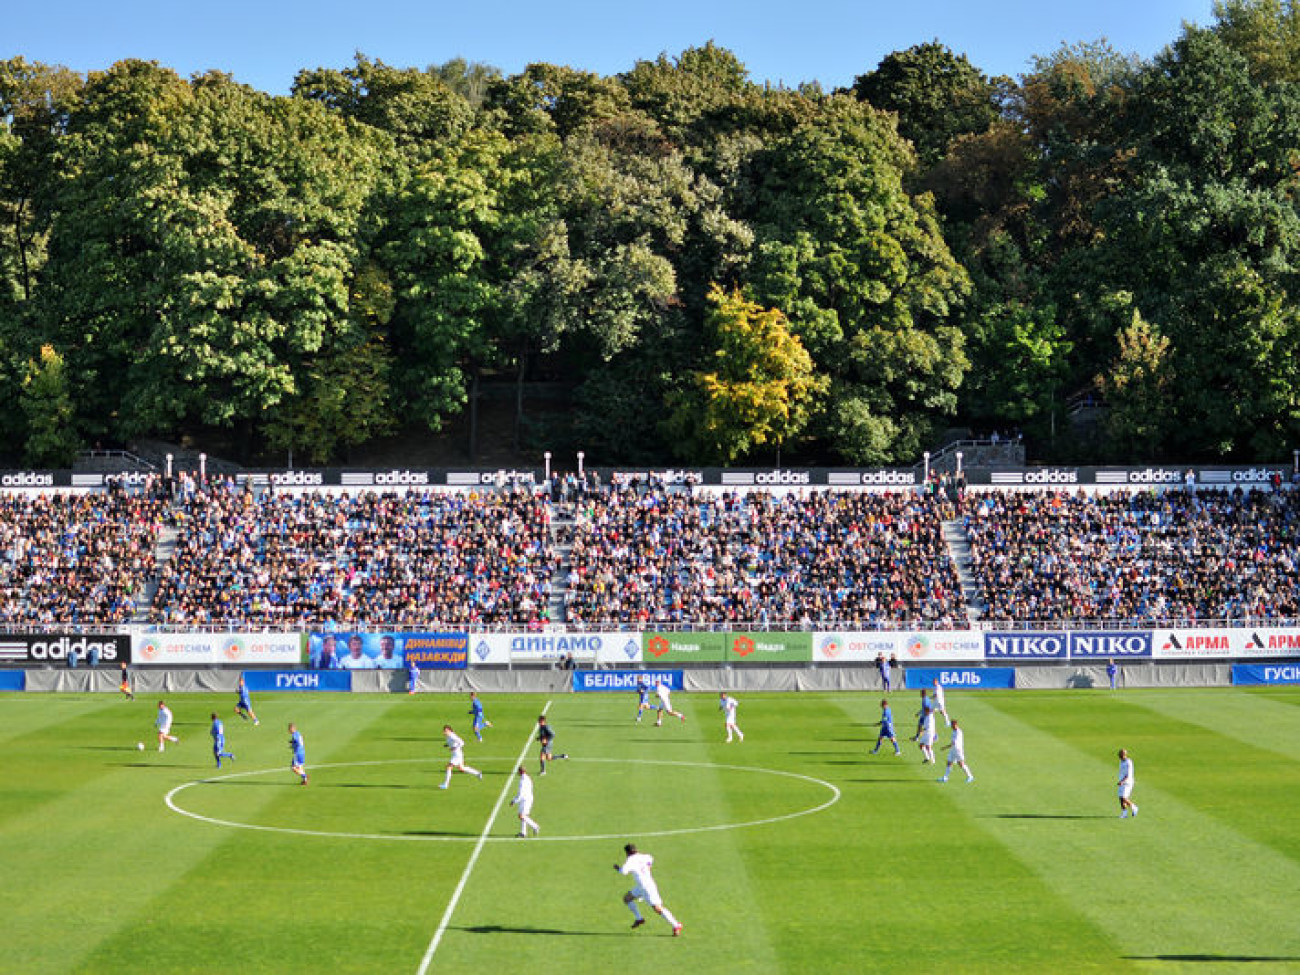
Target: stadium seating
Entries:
(1138, 557)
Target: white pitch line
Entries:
(427, 960)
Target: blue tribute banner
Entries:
(1266, 674)
(624, 680)
(298, 680)
(967, 678)
(13, 680)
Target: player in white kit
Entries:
(523, 802)
(1127, 807)
(456, 761)
(957, 754)
(665, 695)
(644, 888)
(728, 704)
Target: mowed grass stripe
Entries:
(64, 745)
(552, 904)
(199, 922)
(1174, 883)
(106, 844)
(931, 889)
(1209, 761)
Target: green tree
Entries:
(47, 407)
(1266, 33)
(1139, 391)
(937, 95)
(757, 389)
(1206, 237)
(421, 110)
(206, 247)
(862, 271)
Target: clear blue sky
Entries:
(265, 43)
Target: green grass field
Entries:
(849, 862)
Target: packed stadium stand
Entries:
(1199, 555)
(647, 554)
(75, 558)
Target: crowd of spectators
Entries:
(415, 559)
(646, 554)
(1194, 555)
(650, 555)
(75, 558)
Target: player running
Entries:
(125, 685)
(546, 738)
(480, 719)
(164, 725)
(218, 733)
(244, 706)
(523, 802)
(728, 705)
(665, 695)
(638, 866)
(642, 698)
(297, 753)
(456, 762)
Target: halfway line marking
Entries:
(427, 960)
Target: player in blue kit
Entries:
(244, 706)
(218, 732)
(927, 709)
(412, 677)
(299, 753)
(886, 723)
(1112, 673)
(642, 698)
(480, 719)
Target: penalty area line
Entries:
(427, 960)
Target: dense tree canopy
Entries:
(711, 267)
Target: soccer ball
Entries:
(139, 745)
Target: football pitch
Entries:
(794, 851)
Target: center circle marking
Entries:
(171, 801)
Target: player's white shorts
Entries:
(457, 757)
(165, 729)
(1126, 790)
(927, 738)
(525, 808)
(649, 894)
(665, 702)
(956, 757)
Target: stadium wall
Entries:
(151, 681)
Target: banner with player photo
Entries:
(357, 651)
